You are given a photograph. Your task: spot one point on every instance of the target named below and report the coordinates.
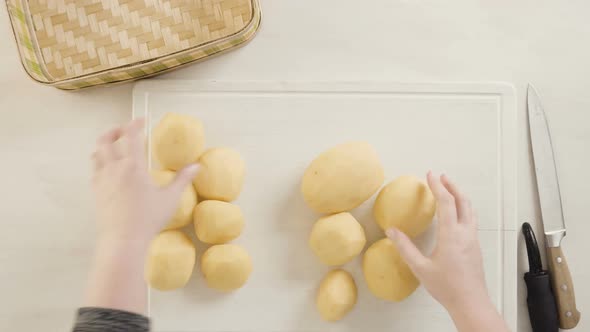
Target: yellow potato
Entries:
(221, 175)
(342, 178)
(218, 222)
(188, 200)
(407, 204)
(337, 239)
(170, 261)
(386, 273)
(177, 141)
(226, 267)
(336, 295)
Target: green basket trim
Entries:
(185, 59)
(136, 72)
(107, 78)
(79, 85)
(26, 41)
(34, 67)
(20, 15)
(212, 50)
(156, 67)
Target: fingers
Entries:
(463, 206)
(411, 255)
(183, 178)
(96, 162)
(110, 136)
(134, 136)
(104, 148)
(474, 219)
(107, 149)
(446, 209)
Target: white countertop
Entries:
(47, 135)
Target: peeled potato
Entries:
(188, 200)
(170, 262)
(336, 295)
(177, 141)
(226, 267)
(342, 178)
(221, 175)
(218, 222)
(407, 204)
(386, 273)
(337, 239)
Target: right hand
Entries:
(454, 273)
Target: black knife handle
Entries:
(541, 302)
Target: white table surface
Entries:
(47, 135)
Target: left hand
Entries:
(130, 207)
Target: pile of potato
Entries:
(177, 141)
(339, 180)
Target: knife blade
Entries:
(551, 211)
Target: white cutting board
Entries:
(466, 130)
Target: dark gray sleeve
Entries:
(110, 320)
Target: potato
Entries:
(218, 222)
(226, 267)
(386, 273)
(170, 261)
(336, 295)
(342, 178)
(337, 239)
(177, 141)
(221, 175)
(407, 204)
(188, 200)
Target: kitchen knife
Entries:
(551, 211)
(540, 299)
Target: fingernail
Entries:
(192, 168)
(391, 233)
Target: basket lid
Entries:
(77, 38)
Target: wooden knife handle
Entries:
(563, 288)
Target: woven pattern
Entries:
(24, 41)
(33, 55)
(78, 37)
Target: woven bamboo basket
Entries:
(74, 44)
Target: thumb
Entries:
(413, 257)
(182, 180)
